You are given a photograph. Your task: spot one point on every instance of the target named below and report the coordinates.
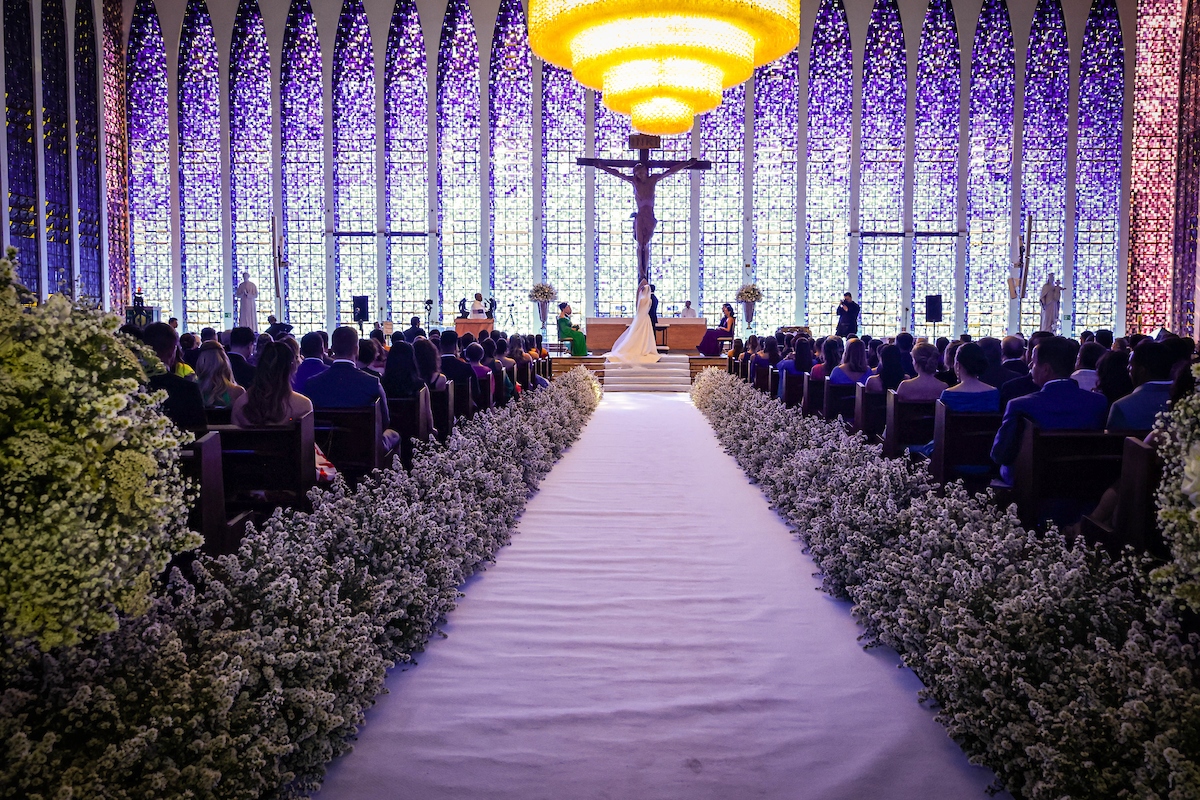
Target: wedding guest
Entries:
(873, 346)
(1150, 368)
(190, 347)
(503, 386)
(766, 358)
(413, 330)
(736, 349)
(926, 386)
(1104, 338)
(366, 357)
(1012, 348)
(380, 340)
(474, 357)
(502, 354)
(1121, 345)
(970, 393)
(184, 404)
(995, 375)
(345, 385)
(891, 370)
(457, 370)
(1085, 365)
(1024, 385)
(905, 341)
(751, 348)
(312, 351)
(947, 373)
(853, 368)
(401, 378)
(270, 401)
(217, 386)
(710, 344)
(831, 356)
(1112, 375)
(429, 364)
(241, 342)
(259, 344)
(539, 346)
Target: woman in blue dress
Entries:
(970, 393)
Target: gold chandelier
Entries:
(662, 62)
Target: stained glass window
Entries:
(723, 142)
(776, 188)
(356, 254)
(458, 157)
(1155, 132)
(935, 166)
(302, 124)
(1187, 192)
(202, 257)
(670, 249)
(989, 178)
(250, 156)
(149, 160)
(116, 154)
(881, 173)
(87, 155)
(22, 158)
(510, 107)
(564, 255)
(1044, 156)
(56, 154)
(828, 173)
(407, 141)
(1098, 169)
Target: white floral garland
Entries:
(1179, 498)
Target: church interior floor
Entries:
(653, 631)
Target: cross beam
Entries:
(630, 162)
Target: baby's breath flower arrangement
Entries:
(543, 293)
(1179, 498)
(93, 503)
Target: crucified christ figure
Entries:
(644, 181)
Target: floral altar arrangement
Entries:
(247, 679)
(749, 293)
(1179, 498)
(94, 505)
(543, 293)
(1056, 666)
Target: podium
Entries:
(473, 326)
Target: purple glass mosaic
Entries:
(56, 153)
(22, 157)
(116, 154)
(87, 156)
(566, 261)
(722, 195)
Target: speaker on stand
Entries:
(361, 312)
(933, 311)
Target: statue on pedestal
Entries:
(247, 296)
(1051, 300)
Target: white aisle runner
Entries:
(653, 631)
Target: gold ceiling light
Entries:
(662, 62)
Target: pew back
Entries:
(267, 467)
(962, 441)
(870, 412)
(351, 438)
(200, 462)
(908, 425)
(410, 419)
(1062, 472)
(814, 395)
(442, 404)
(792, 392)
(839, 401)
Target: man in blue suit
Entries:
(1150, 368)
(1058, 405)
(344, 385)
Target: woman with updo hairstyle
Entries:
(926, 386)
(970, 394)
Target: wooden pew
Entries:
(200, 462)
(870, 412)
(410, 420)
(524, 374)
(773, 390)
(762, 379)
(264, 468)
(442, 404)
(1058, 473)
(463, 407)
(792, 392)
(963, 440)
(730, 364)
(1135, 521)
(511, 372)
(839, 401)
(908, 425)
(487, 393)
(352, 438)
(814, 396)
(219, 416)
(744, 370)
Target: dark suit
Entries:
(997, 376)
(184, 404)
(411, 334)
(1017, 387)
(346, 386)
(848, 318)
(653, 309)
(1060, 405)
(243, 370)
(463, 376)
(190, 357)
(1136, 411)
(1016, 366)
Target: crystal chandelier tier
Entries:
(662, 62)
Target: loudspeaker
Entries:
(933, 308)
(361, 314)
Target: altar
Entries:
(473, 325)
(683, 333)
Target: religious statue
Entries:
(1051, 300)
(247, 295)
(644, 181)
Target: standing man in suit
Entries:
(1150, 368)
(456, 369)
(653, 307)
(241, 342)
(414, 330)
(344, 385)
(1059, 404)
(848, 313)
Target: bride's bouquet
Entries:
(543, 293)
(749, 293)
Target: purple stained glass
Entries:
(87, 156)
(250, 157)
(116, 154)
(881, 172)
(510, 112)
(776, 209)
(1098, 169)
(202, 256)
(356, 255)
(1187, 185)
(989, 179)
(722, 200)
(150, 251)
(406, 109)
(459, 213)
(565, 259)
(935, 163)
(56, 153)
(1044, 155)
(22, 157)
(302, 125)
(828, 173)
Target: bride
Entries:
(636, 345)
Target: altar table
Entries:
(473, 326)
(684, 333)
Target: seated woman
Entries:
(1112, 375)
(853, 368)
(798, 363)
(925, 387)
(970, 394)
(270, 400)
(216, 377)
(429, 365)
(737, 349)
(831, 356)
(891, 370)
(767, 357)
(751, 348)
(710, 345)
(402, 380)
(539, 345)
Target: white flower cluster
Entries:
(1050, 663)
(246, 681)
(1179, 499)
(93, 502)
(543, 293)
(749, 293)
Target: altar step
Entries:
(672, 373)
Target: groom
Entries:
(653, 307)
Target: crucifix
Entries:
(643, 181)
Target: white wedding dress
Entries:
(636, 345)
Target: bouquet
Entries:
(543, 293)
(749, 293)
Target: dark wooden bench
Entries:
(961, 441)
(200, 462)
(524, 376)
(410, 419)
(487, 393)
(773, 389)
(762, 379)
(1135, 520)
(730, 364)
(908, 425)
(263, 468)
(744, 369)
(1059, 474)
(814, 396)
(352, 439)
(792, 392)
(870, 412)
(464, 407)
(219, 416)
(442, 404)
(839, 401)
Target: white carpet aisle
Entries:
(652, 632)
